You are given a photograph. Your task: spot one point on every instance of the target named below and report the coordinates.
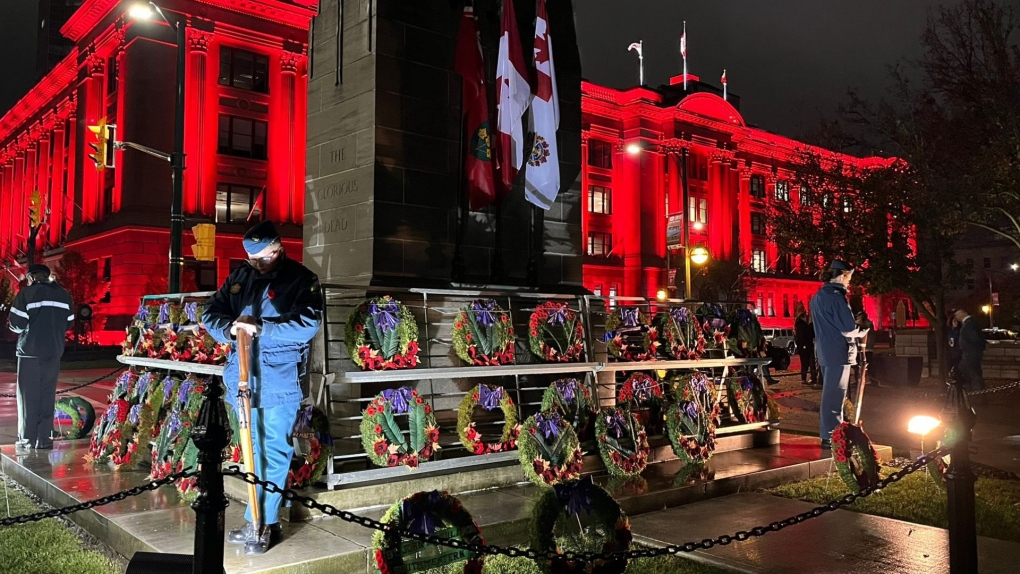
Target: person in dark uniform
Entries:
(41, 315)
(835, 331)
(972, 349)
(278, 301)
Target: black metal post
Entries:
(177, 166)
(960, 483)
(211, 436)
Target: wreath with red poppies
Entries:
(74, 417)
(483, 334)
(384, 441)
(692, 420)
(748, 398)
(549, 450)
(381, 333)
(490, 398)
(855, 456)
(433, 513)
(623, 442)
(639, 390)
(555, 333)
(314, 447)
(630, 337)
(682, 334)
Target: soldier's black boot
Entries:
(247, 533)
(262, 543)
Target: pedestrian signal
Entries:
(204, 248)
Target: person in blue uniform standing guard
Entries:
(278, 301)
(835, 345)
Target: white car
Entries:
(781, 339)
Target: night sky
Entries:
(791, 61)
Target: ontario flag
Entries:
(542, 178)
(512, 95)
(478, 172)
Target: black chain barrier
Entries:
(1013, 385)
(588, 557)
(140, 489)
(76, 387)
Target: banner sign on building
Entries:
(673, 228)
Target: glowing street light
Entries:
(986, 308)
(699, 255)
(633, 148)
(140, 12)
(922, 425)
(661, 295)
(1014, 266)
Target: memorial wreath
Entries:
(381, 435)
(639, 390)
(549, 450)
(572, 399)
(490, 398)
(623, 442)
(74, 416)
(714, 324)
(692, 420)
(315, 446)
(630, 337)
(682, 333)
(483, 334)
(555, 333)
(855, 456)
(747, 398)
(381, 334)
(434, 513)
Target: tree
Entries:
(81, 279)
(723, 280)
(158, 283)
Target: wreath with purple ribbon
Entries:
(550, 452)
(490, 398)
(748, 398)
(623, 442)
(384, 441)
(555, 333)
(629, 336)
(483, 334)
(435, 513)
(714, 324)
(572, 399)
(314, 447)
(682, 334)
(381, 333)
(692, 420)
(639, 390)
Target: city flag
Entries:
(636, 46)
(512, 95)
(542, 178)
(481, 184)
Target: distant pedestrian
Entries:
(804, 336)
(972, 349)
(835, 332)
(41, 315)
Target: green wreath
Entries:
(747, 398)
(714, 324)
(572, 399)
(939, 466)
(436, 513)
(311, 431)
(682, 334)
(692, 420)
(381, 333)
(382, 438)
(630, 337)
(623, 442)
(611, 528)
(152, 415)
(81, 414)
(555, 333)
(549, 450)
(483, 334)
(854, 456)
(490, 397)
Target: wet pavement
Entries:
(97, 394)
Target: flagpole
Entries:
(685, 54)
(724, 84)
(641, 62)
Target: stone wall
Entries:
(913, 343)
(1002, 360)
(384, 150)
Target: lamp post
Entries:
(144, 12)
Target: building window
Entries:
(783, 190)
(242, 137)
(600, 199)
(597, 291)
(698, 210)
(760, 303)
(848, 205)
(205, 275)
(757, 186)
(758, 223)
(786, 305)
(599, 244)
(784, 264)
(235, 202)
(805, 196)
(600, 154)
(758, 260)
(772, 305)
(970, 285)
(245, 70)
(987, 262)
(614, 291)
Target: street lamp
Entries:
(145, 12)
(699, 255)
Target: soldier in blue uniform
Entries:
(835, 345)
(278, 301)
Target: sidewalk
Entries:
(838, 542)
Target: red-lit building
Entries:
(245, 102)
(632, 141)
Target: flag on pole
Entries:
(512, 95)
(639, 48)
(723, 83)
(478, 174)
(542, 178)
(636, 46)
(683, 51)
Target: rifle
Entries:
(244, 421)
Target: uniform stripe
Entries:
(38, 304)
(70, 317)
(19, 312)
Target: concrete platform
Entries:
(838, 542)
(159, 522)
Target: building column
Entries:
(56, 217)
(744, 215)
(716, 207)
(91, 192)
(282, 180)
(771, 250)
(118, 174)
(70, 149)
(43, 184)
(6, 210)
(199, 194)
(19, 220)
(627, 219)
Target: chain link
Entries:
(990, 390)
(75, 388)
(53, 513)
(589, 557)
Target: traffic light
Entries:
(35, 209)
(204, 248)
(102, 133)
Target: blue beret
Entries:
(260, 237)
(838, 265)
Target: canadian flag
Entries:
(542, 178)
(724, 77)
(683, 44)
(512, 95)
